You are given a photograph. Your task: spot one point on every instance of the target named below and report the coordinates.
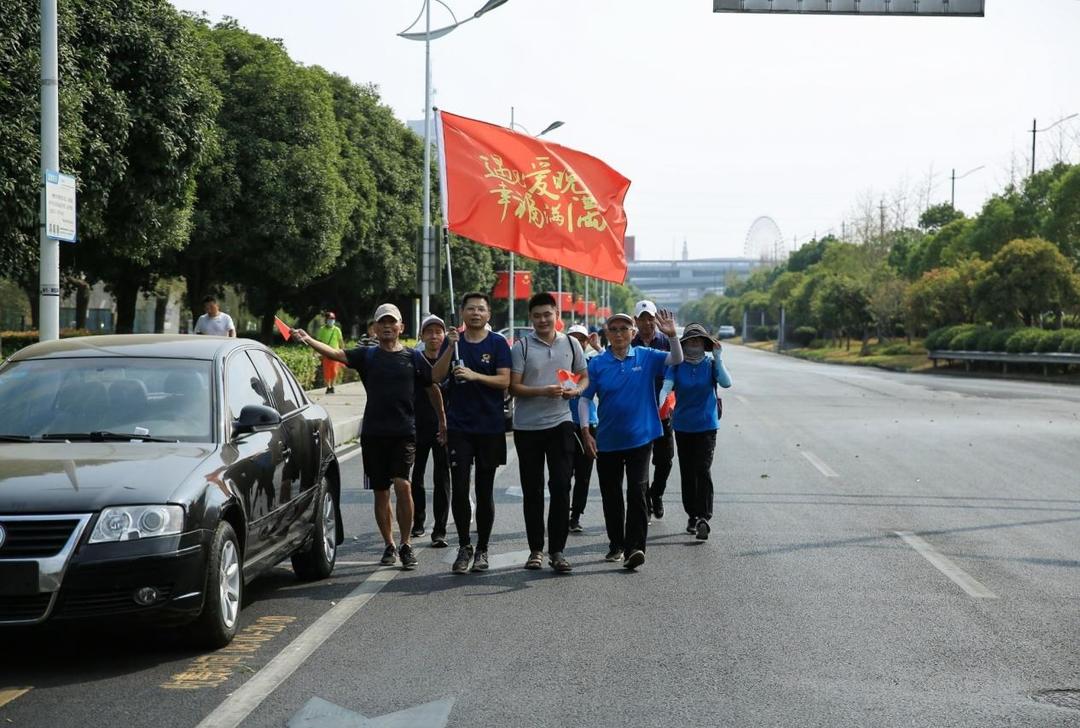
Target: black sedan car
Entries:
(154, 476)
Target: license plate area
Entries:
(18, 578)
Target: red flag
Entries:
(668, 407)
(565, 303)
(282, 328)
(522, 284)
(542, 200)
(579, 307)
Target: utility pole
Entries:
(49, 272)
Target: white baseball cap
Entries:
(644, 307)
(578, 329)
(388, 309)
(432, 319)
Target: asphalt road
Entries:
(887, 550)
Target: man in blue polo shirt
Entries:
(623, 379)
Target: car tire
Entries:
(316, 561)
(216, 625)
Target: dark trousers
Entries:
(460, 473)
(583, 465)
(663, 455)
(610, 466)
(556, 446)
(695, 464)
(440, 474)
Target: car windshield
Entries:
(159, 398)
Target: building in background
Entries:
(671, 283)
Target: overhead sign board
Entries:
(60, 206)
(929, 8)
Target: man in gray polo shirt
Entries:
(543, 428)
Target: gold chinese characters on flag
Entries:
(541, 200)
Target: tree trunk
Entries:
(82, 302)
(127, 296)
(30, 286)
(865, 350)
(266, 328)
(160, 308)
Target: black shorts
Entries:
(386, 458)
(489, 451)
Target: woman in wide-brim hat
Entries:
(695, 419)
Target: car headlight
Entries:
(127, 523)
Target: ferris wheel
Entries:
(764, 241)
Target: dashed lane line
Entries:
(819, 464)
(943, 564)
(238, 706)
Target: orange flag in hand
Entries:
(282, 328)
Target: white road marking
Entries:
(942, 563)
(819, 464)
(496, 561)
(238, 706)
(9, 694)
(350, 454)
(742, 399)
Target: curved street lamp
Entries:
(428, 35)
(1036, 130)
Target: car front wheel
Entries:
(216, 624)
(317, 560)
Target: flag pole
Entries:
(445, 204)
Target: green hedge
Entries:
(973, 337)
(804, 335)
(12, 341)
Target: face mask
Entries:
(693, 352)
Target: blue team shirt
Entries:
(627, 413)
(695, 395)
(471, 406)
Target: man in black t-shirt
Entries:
(432, 333)
(391, 374)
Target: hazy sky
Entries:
(719, 118)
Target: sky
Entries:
(719, 119)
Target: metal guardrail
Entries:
(1005, 359)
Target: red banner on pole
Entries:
(542, 200)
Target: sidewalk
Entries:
(345, 407)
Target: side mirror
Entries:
(255, 418)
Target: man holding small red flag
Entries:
(539, 199)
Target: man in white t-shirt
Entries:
(214, 322)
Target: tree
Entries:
(274, 206)
(1062, 224)
(944, 296)
(938, 216)
(1024, 280)
(841, 304)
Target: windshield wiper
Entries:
(18, 438)
(103, 436)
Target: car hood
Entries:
(82, 477)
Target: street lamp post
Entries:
(426, 274)
(1036, 130)
(550, 127)
(952, 198)
(49, 262)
